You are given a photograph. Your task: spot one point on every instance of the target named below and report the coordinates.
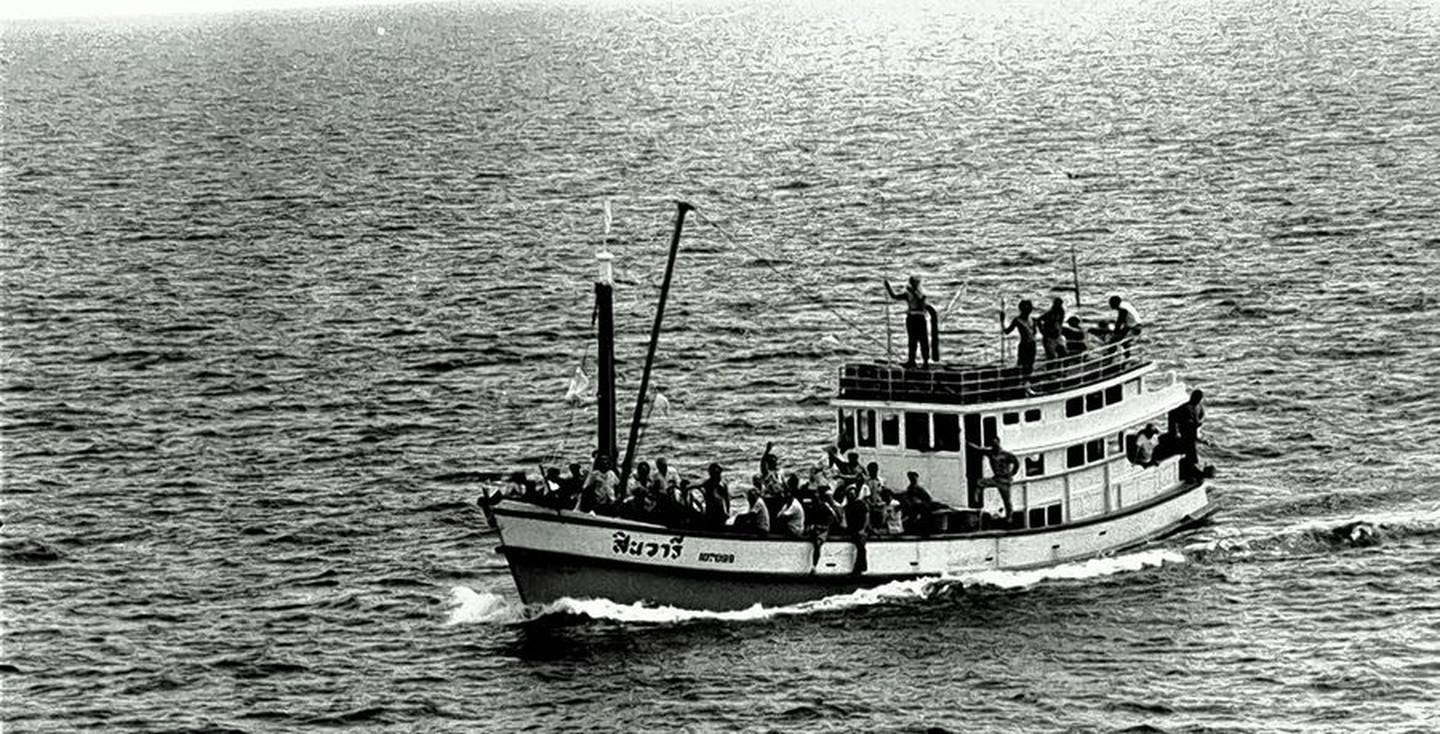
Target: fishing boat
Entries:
(1078, 493)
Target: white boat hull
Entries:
(558, 554)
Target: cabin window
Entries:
(865, 428)
(846, 440)
(947, 432)
(1094, 401)
(917, 431)
(1095, 450)
(1074, 406)
(890, 429)
(1032, 415)
(1035, 465)
(1036, 518)
(1039, 517)
(1114, 394)
(1010, 419)
(1075, 456)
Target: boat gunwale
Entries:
(620, 523)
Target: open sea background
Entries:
(276, 284)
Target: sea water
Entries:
(277, 284)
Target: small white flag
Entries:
(579, 389)
(608, 218)
(659, 405)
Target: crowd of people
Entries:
(1061, 335)
(835, 495)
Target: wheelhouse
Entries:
(1072, 423)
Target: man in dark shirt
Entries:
(1188, 419)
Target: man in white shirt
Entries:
(1145, 445)
(1127, 319)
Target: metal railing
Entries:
(986, 384)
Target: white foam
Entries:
(469, 606)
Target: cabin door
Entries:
(979, 431)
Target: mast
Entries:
(681, 209)
(605, 311)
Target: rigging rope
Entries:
(765, 260)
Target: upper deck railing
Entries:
(991, 384)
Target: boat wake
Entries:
(1315, 535)
(471, 607)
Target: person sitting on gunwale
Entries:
(791, 517)
(916, 502)
(664, 474)
(893, 516)
(856, 511)
(571, 488)
(599, 493)
(850, 472)
(826, 515)
(756, 519)
(717, 497)
(695, 504)
(1145, 444)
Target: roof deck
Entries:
(969, 384)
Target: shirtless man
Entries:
(1025, 324)
(1003, 466)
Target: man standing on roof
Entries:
(1127, 319)
(1025, 323)
(914, 298)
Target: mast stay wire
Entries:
(765, 260)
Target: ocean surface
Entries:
(277, 285)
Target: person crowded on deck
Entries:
(869, 490)
(1074, 335)
(915, 327)
(916, 502)
(1051, 323)
(639, 504)
(791, 517)
(1025, 324)
(519, 486)
(552, 484)
(1127, 320)
(696, 510)
(717, 497)
(857, 511)
(826, 515)
(850, 472)
(642, 479)
(756, 519)
(570, 489)
(769, 462)
(598, 495)
(1145, 443)
(667, 475)
(1003, 466)
(892, 517)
